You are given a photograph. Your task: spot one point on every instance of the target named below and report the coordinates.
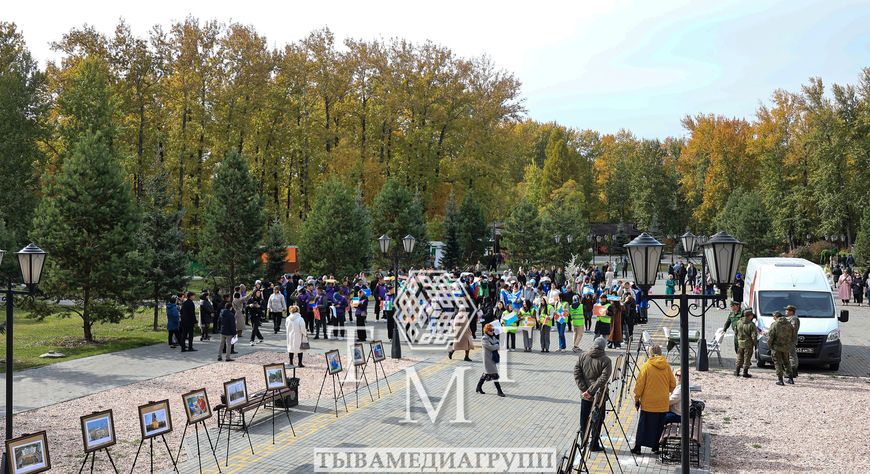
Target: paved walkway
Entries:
(541, 409)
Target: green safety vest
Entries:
(576, 315)
(606, 317)
(549, 316)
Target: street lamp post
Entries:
(408, 243)
(690, 244)
(31, 260)
(645, 253)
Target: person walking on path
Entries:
(256, 305)
(746, 333)
(227, 324)
(173, 319)
(670, 289)
(844, 288)
(188, 321)
(490, 360)
(321, 313)
(239, 311)
(578, 321)
(795, 322)
(277, 305)
(462, 339)
(780, 338)
(588, 302)
(296, 335)
(734, 317)
(206, 315)
(655, 382)
(591, 373)
(858, 288)
(561, 317)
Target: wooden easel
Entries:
(357, 380)
(93, 456)
(334, 392)
(379, 363)
(213, 447)
(151, 452)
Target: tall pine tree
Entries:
(522, 234)
(164, 259)
(337, 236)
(276, 251)
(234, 223)
(86, 222)
(452, 249)
(472, 230)
(397, 213)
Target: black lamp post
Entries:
(31, 259)
(408, 242)
(691, 243)
(723, 252)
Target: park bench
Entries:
(670, 446)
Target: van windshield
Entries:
(809, 304)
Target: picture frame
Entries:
(28, 454)
(378, 352)
(276, 377)
(155, 419)
(196, 406)
(333, 362)
(358, 354)
(236, 392)
(98, 430)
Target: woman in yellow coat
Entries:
(652, 395)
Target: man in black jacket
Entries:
(188, 321)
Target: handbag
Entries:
(495, 357)
(305, 346)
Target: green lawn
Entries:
(33, 337)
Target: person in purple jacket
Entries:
(380, 293)
(339, 301)
(362, 311)
(306, 298)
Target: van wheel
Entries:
(835, 366)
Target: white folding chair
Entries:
(715, 345)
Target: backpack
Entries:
(696, 408)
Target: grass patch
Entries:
(55, 333)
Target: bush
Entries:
(804, 252)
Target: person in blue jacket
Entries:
(173, 319)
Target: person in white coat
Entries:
(296, 335)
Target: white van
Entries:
(771, 284)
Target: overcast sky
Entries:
(602, 64)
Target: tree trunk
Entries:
(156, 305)
(86, 316)
(326, 110)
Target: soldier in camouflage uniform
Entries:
(746, 333)
(780, 338)
(734, 317)
(792, 318)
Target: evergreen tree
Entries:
(522, 234)
(234, 223)
(452, 249)
(397, 213)
(472, 230)
(164, 259)
(276, 251)
(85, 222)
(337, 236)
(745, 217)
(564, 215)
(23, 108)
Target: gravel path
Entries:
(61, 420)
(820, 424)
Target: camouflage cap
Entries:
(748, 311)
(777, 314)
(735, 303)
(790, 308)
